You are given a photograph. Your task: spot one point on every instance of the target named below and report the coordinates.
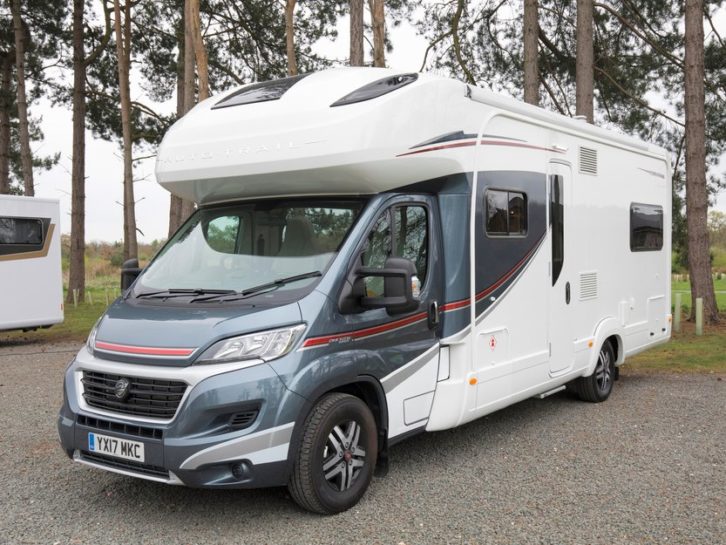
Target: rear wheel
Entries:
(597, 387)
(337, 455)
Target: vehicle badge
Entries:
(121, 388)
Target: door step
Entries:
(550, 392)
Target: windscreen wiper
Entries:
(181, 292)
(268, 286)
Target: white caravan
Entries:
(375, 254)
(31, 285)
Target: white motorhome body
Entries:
(534, 341)
(31, 285)
(406, 253)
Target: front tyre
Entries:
(337, 455)
(597, 387)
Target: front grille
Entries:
(118, 427)
(126, 465)
(149, 397)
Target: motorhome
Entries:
(374, 255)
(31, 284)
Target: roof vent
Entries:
(588, 161)
(588, 286)
(376, 89)
(259, 92)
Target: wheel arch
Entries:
(608, 330)
(366, 388)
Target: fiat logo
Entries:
(121, 388)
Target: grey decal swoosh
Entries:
(399, 375)
(240, 447)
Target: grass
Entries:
(685, 288)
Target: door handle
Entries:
(434, 314)
(567, 293)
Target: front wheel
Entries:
(337, 455)
(597, 387)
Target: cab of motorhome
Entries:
(374, 254)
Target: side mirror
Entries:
(397, 291)
(130, 270)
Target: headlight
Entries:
(91, 341)
(265, 345)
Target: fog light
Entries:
(241, 470)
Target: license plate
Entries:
(113, 446)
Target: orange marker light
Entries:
(589, 344)
(472, 381)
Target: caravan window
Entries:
(21, 231)
(646, 227)
(506, 213)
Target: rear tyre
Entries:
(597, 387)
(337, 455)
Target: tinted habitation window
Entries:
(506, 212)
(646, 227)
(21, 231)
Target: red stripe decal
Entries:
(367, 332)
(145, 350)
(483, 143)
(436, 148)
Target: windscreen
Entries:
(240, 247)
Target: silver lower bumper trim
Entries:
(173, 479)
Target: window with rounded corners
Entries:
(646, 227)
(505, 213)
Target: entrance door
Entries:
(559, 193)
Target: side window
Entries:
(21, 231)
(401, 231)
(222, 234)
(557, 223)
(506, 213)
(646, 227)
(412, 241)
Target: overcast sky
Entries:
(104, 167)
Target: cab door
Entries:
(407, 343)
(560, 319)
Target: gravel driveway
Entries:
(647, 466)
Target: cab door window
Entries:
(401, 231)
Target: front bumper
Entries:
(197, 447)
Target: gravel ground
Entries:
(647, 466)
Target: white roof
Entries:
(300, 145)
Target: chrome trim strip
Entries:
(173, 479)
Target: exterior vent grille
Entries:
(588, 161)
(588, 286)
(243, 420)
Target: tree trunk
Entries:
(584, 65)
(6, 104)
(26, 156)
(356, 32)
(123, 51)
(77, 265)
(699, 259)
(378, 17)
(187, 207)
(290, 37)
(531, 69)
(175, 203)
(200, 52)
